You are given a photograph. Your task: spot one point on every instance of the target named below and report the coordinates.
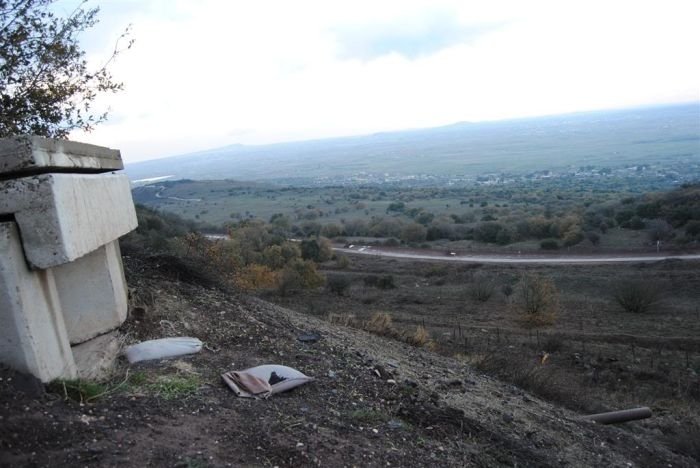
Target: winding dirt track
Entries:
(529, 258)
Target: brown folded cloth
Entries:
(247, 385)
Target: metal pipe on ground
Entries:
(622, 416)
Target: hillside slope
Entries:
(438, 412)
(668, 135)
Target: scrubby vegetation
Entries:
(529, 214)
(252, 255)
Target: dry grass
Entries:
(345, 320)
(420, 337)
(536, 300)
(380, 324)
(530, 374)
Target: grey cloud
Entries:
(434, 31)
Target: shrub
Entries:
(593, 237)
(420, 337)
(692, 228)
(413, 232)
(392, 242)
(338, 284)
(481, 289)
(507, 289)
(342, 261)
(370, 280)
(386, 282)
(637, 296)
(549, 244)
(536, 299)
(253, 277)
(299, 274)
(380, 323)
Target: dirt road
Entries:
(526, 258)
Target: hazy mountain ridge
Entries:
(632, 136)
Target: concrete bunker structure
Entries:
(62, 287)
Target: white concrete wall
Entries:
(33, 335)
(63, 217)
(92, 292)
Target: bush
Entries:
(381, 282)
(593, 237)
(536, 299)
(370, 280)
(338, 284)
(481, 289)
(342, 261)
(392, 242)
(380, 323)
(549, 244)
(419, 338)
(386, 282)
(637, 296)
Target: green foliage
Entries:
(82, 391)
(637, 296)
(549, 244)
(338, 284)
(573, 236)
(593, 237)
(493, 232)
(299, 274)
(396, 206)
(381, 282)
(46, 85)
(170, 387)
(536, 299)
(317, 250)
(482, 288)
(413, 233)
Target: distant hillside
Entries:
(669, 134)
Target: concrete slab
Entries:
(33, 335)
(63, 217)
(95, 358)
(33, 154)
(92, 292)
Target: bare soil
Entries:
(375, 401)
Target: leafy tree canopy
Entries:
(46, 85)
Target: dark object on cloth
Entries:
(263, 381)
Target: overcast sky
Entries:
(208, 73)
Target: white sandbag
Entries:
(263, 381)
(162, 348)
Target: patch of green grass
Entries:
(368, 416)
(170, 387)
(137, 379)
(79, 390)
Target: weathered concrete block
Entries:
(62, 217)
(92, 292)
(33, 336)
(33, 154)
(95, 358)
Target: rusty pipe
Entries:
(615, 417)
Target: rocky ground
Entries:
(375, 401)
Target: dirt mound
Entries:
(375, 401)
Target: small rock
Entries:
(309, 337)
